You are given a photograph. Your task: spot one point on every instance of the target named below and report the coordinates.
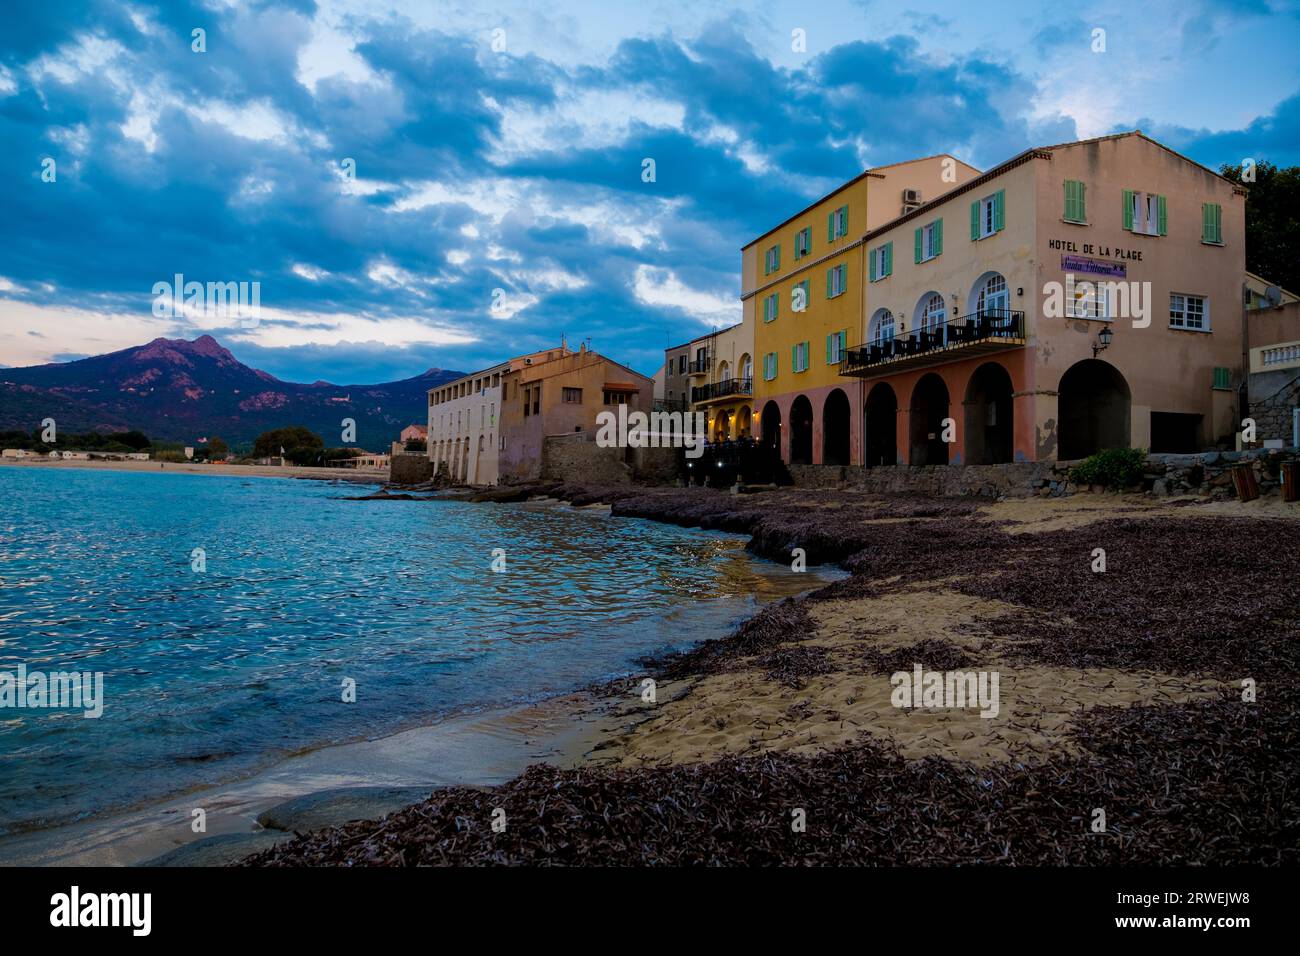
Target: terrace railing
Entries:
(724, 389)
(988, 327)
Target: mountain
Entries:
(176, 390)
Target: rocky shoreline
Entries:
(1124, 693)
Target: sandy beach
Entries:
(1121, 689)
(373, 476)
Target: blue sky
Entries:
(500, 147)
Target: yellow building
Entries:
(803, 292)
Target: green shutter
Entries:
(1128, 209)
(918, 246)
(975, 221)
(828, 350)
(1081, 200)
(1218, 223)
(828, 282)
(999, 210)
(1221, 378)
(1211, 222)
(871, 266)
(889, 258)
(938, 237)
(830, 227)
(1163, 221)
(1069, 214)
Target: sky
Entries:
(424, 184)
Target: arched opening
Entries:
(929, 409)
(882, 426)
(746, 368)
(770, 421)
(721, 426)
(801, 431)
(743, 423)
(989, 435)
(1092, 409)
(881, 328)
(724, 371)
(989, 295)
(835, 428)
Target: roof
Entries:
(706, 335)
(873, 171)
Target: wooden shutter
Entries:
(999, 210)
(828, 350)
(918, 245)
(1161, 217)
(889, 258)
(830, 227)
(975, 220)
(871, 264)
(938, 237)
(1128, 209)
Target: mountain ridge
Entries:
(186, 390)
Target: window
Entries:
(747, 368)
(681, 364)
(799, 297)
(802, 243)
(799, 357)
(572, 396)
(987, 216)
(770, 307)
(1212, 223)
(769, 366)
(993, 296)
(1089, 301)
(1076, 209)
(837, 224)
(528, 401)
(537, 399)
(772, 260)
(617, 397)
(1144, 213)
(882, 327)
(932, 314)
(1188, 312)
(929, 241)
(836, 280)
(880, 261)
(836, 343)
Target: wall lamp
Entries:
(1104, 337)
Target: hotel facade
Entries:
(1076, 297)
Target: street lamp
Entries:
(1104, 337)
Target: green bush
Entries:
(1113, 468)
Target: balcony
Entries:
(967, 336)
(727, 388)
(671, 405)
(699, 367)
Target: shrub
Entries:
(1113, 468)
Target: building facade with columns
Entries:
(1074, 298)
(802, 293)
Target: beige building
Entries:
(464, 440)
(721, 381)
(1074, 298)
(561, 397)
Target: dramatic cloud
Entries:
(411, 190)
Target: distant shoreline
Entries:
(372, 477)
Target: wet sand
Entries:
(373, 476)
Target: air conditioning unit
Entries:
(911, 197)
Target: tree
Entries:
(300, 445)
(217, 448)
(136, 441)
(1272, 222)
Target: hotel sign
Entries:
(1084, 266)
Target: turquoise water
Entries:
(209, 675)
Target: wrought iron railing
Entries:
(987, 325)
(699, 367)
(723, 389)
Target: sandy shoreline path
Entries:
(1120, 689)
(196, 468)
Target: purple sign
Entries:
(1095, 267)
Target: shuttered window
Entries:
(1212, 223)
(836, 343)
(880, 261)
(1076, 209)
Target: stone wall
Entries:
(1211, 473)
(409, 469)
(582, 460)
(990, 481)
(1275, 396)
